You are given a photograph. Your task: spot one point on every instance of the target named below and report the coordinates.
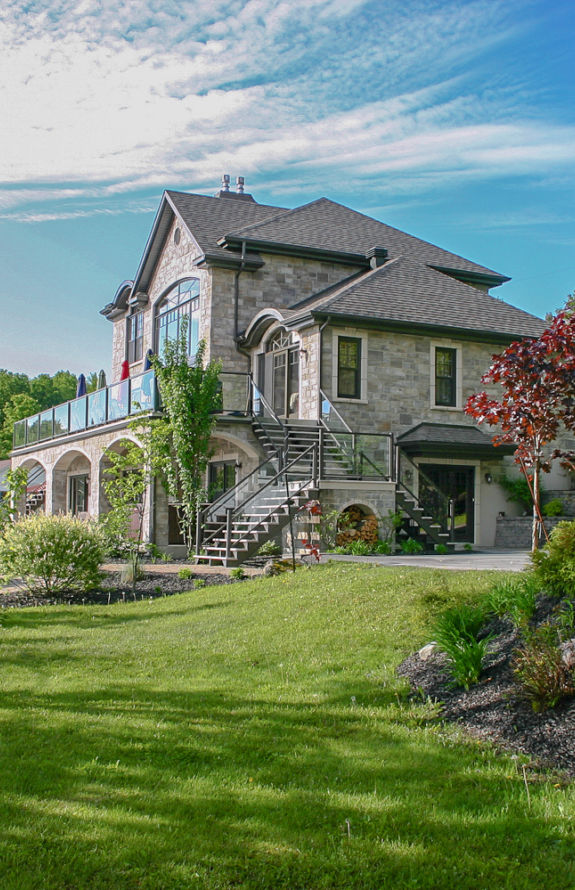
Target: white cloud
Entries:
(109, 99)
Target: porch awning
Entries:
(450, 440)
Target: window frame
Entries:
(135, 344)
(360, 396)
(182, 306)
(455, 403)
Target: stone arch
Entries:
(34, 500)
(118, 445)
(357, 522)
(72, 484)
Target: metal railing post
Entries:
(321, 444)
(452, 519)
(229, 512)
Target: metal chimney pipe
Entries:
(226, 182)
(240, 185)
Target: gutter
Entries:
(237, 274)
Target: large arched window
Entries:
(182, 301)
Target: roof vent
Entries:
(377, 256)
(225, 182)
(240, 185)
(225, 192)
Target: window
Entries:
(182, 301)
(221, 477)
(445, 376)
(135, 336)
(349, 368)
(78, 494)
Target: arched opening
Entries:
(112, 474)
(181, 301)
(35, 498)
(357, 523)
(278, 373)
(71, 484)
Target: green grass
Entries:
(255, 736)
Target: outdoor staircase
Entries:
(290, 440)
(417, 523)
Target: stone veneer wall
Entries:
(515, 533)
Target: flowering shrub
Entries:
(49, 554)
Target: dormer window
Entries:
(181, 301)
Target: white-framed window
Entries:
(182, 300)
(349, 375)
(446, 370)
(135, 338)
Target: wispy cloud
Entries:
(113, 99)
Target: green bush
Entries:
(553, 508)
(541, 673)
(554, 564)
(411, 546)
(49, 554)
(456, 632)
(442, 549)
(238, 574)
(383, 547)
(199, 583)
(359, 548)
(185, 573)
(269, 548)
(515, 598)
(518, 491)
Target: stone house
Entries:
(349, 349)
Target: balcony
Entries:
(120, 401)
(135, 395)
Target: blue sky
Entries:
(454, 121)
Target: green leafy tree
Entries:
(178, 443)
(16, 481)
(20, 405)
(126, 480)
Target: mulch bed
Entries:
(152, 586)
(493, 710)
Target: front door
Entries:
(278, 375)
(458, 485)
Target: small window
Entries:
(349, 368)
(135, 337)
(445, 376)
(78, 494)
(221, 477)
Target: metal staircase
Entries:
(427, 518)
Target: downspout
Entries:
(321, 330)
(237, 306)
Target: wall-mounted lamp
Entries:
(238, 464)
(408, 476)
(488, 478)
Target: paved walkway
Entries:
(481, 559)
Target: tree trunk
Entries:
(536, 511)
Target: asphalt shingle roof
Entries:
(208, 218)
(406, 291)
(326, 225)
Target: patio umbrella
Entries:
(125, 372)
(148, 361)
(81, 388)
(101, 380)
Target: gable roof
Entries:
(328, 227)
(407, 292)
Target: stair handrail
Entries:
(443, 499)
(239, 508)
(279, 422)
(289, 496)
(332, 407)
(221, 501)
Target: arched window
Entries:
(181, 301)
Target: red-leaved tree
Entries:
(524, 414)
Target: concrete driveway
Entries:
(480, 559)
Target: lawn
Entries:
(255, 735)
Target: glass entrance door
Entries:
(457, 484)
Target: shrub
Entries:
(269, 548)
(542, 674)
(383, 547)
(518, 491)
(442, 549)
(553, 508)
(130, 574)
(238, 574)
(411, 546)
(468, 547)
(456, 632)
(554, 564)
(50, 554)
(199, 583)
(185, 574)
(359, 548)
(516, 598)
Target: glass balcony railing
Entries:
(136, 395)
